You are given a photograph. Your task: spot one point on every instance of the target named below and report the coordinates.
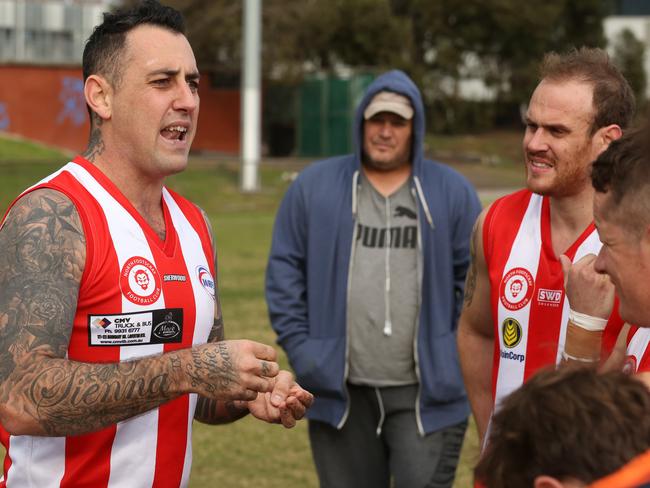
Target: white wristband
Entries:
(567, 357)
(587, 322)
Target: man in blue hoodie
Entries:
(364, 286)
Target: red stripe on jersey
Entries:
(541, 349)
(612, 329)
(79, 455)
(543, 341)
(172, 442)
(4, 439)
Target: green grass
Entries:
(247, 453)
(250, 453)
(16, 149)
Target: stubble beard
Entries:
(385, 166)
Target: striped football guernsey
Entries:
(529, 309)
(637, 359)
(138, 296)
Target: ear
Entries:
(605, 135)
(546, 482)
(98, 93)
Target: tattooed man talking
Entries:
(111, 333)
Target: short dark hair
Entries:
(623, 171)
(613, 98)
(106, 44)
(569, 424)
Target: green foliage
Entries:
(439, 43)
(629, 54)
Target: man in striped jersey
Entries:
(515, 314)
(621, 178)
(111, 332)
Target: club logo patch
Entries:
(140, 281)
(517, 287)
(205, 278)
(511, 332)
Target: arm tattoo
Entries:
(214, 372)
(470, 283)
(95, 142)
(217, 332)
(42, 256)
(210, 411)
(68, 398)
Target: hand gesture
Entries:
(285, 404)
(588, 291)
(232, 370)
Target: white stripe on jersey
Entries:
(48, 473)
(193, 255)
(639, 344)
(192, 251)
(524, 253)
(138, 434)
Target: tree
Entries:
(629, 53)
(439, 43)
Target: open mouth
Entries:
(174, 133)
(539, 164)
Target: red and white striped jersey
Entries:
(529, 309)
(138, 296)
(637, 359)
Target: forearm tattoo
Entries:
(42, 256)
(213, 371)
(211, 411)
(69, 398)
(470, 282)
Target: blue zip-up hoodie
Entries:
(309, 265)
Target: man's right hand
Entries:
(229, 370)
(588, 291)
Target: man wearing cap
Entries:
(364, 286)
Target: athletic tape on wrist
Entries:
(587, 322)
(567, 357)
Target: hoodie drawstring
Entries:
(388, 324)
(425, 205)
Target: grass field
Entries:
(248, 453)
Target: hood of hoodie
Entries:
(398, 82)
